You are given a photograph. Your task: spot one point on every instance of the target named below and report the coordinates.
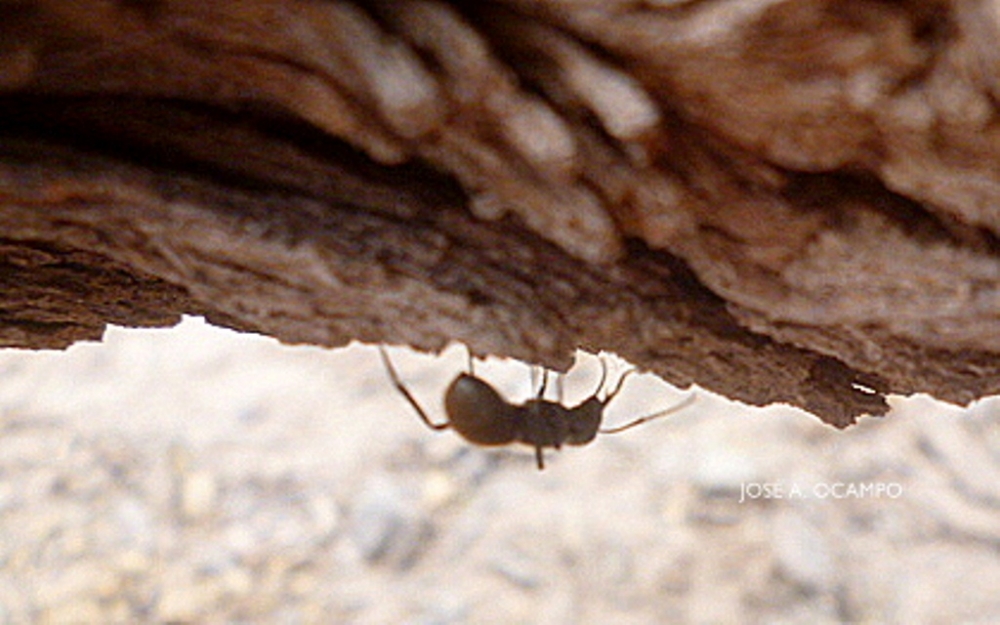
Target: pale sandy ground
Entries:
(197, 475)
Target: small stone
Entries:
(237, 581)
(803, 555)
(134, 520)
(81, 611)
(324, 513)
(187, 601)
(517, 569)
(722, 472)
(199, 492)
(134, 561)
(439, 489)
(386, 524)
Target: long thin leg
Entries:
(406, 393)
(656, 415)
(539, 458)
(619, 386)
(469, 354)
(545, 383)
(604, 377)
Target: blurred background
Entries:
(199, 475)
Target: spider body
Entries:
(480, 415)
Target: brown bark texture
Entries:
(781, 201)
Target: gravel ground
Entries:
(197, 475)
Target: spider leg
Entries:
(656, 415)
(406, 393)
(619, 386)
(604, 377)
(545, 382)
(468, 353)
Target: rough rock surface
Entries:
(783, 201)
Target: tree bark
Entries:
(779, 201)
